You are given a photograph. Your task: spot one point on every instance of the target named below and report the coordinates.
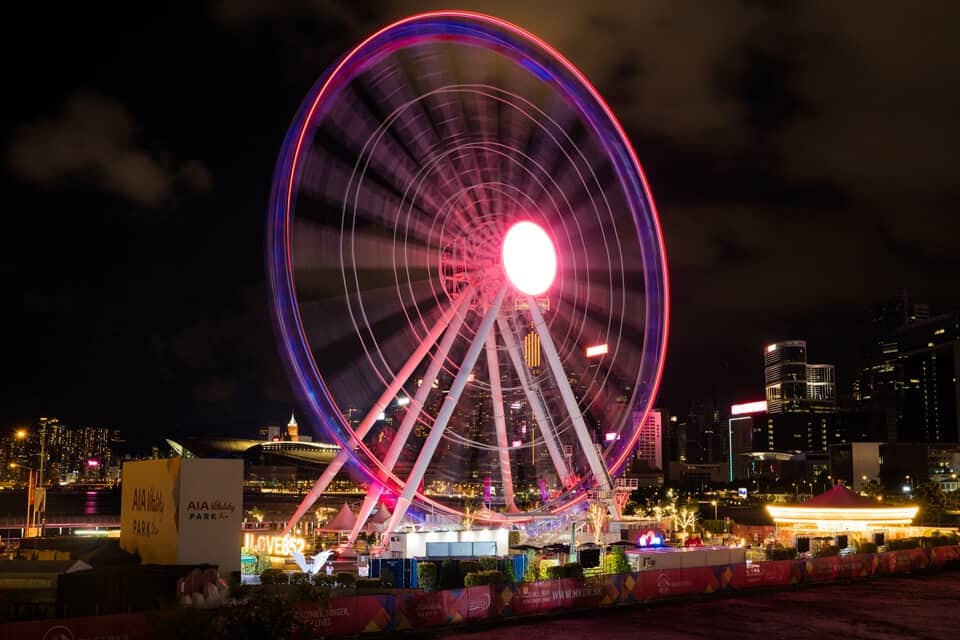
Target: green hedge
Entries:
(902, 544)
(938, 540)
(865, 546)
(827, 551)
(274, 576)
(477, 578)
(781, 553)
(369, 583)
(427, 575)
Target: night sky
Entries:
(803, 156)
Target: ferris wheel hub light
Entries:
(529, 258)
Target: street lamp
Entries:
(36, 500)
(30, 497)
(714, 503)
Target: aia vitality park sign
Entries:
(183, 511)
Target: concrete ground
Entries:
(921, 607)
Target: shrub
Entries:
(323, 580)
(615, 561)
(345, 579)
(554, 572)
(369, 583)
(901, 544)
(573, 570)
(532, 573)
(714, 526)
(781, 553)
(470, 566)
(427, 575)
(478, 578)
(299, 578)
(826, 551)
(938, 540)
(865, 546)
(488, 564)
(274, 576)
(449, 577)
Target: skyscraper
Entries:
(794, 385)
(929, 353)
(650, 442)
(785, 376)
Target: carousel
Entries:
(842, 514)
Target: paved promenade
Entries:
(926, 607)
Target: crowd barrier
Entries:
(417, 610)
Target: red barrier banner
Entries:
(821, 569)
(861, 565)
(716, 578)
(775, 573)
(668, 582)
(939, 556)
(348, 616)
(471, 603)
(127, 626)
(418, 610)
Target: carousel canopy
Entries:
(841, 509)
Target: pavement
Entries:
(923, 607)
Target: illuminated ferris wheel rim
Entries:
(533, 53)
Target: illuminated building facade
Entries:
(929, 355)
(650, 443)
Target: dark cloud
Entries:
(801, 155)
(94, 142)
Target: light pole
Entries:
(36, 495)
(714, 503)
(30, 491)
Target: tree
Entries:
(685, 519)
(931, 497)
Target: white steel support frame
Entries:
(533, 399)
(496, 396)
(375, 490)
(446, 411)
(379, 407)
(597, 465)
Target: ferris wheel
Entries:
(468, 275)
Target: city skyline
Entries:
(137, 274)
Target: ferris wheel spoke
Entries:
(499, 421)
(446, 411)
(599, 469)
(564, 475)
(414, 409)
(393, 388)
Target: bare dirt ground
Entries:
(926, 607)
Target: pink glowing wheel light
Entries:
(529, 258)
(456, 218)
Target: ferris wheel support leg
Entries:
(597, 466)
(446, 412)
(378, 407)
(375, 490)
(496, 396)
(533, 399)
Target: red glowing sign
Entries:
(748, 407)
(93, 463)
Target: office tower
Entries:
(929, 354)
(785, 376)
